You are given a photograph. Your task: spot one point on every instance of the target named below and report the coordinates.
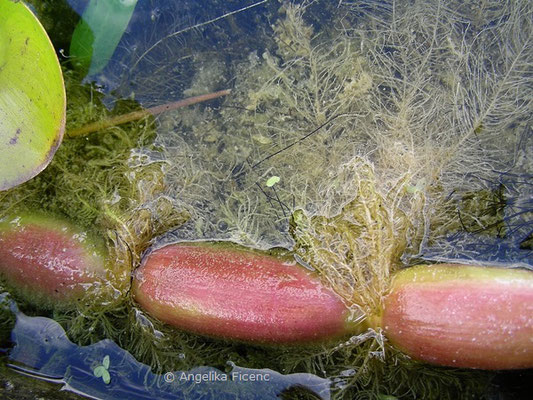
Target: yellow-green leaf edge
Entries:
(32, 96)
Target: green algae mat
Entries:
(32, 96)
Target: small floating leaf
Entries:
(272, 181)
(106, 377)
(102, 372)
(99, 371)
(105, 363)
(32, 96)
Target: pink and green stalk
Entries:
(462, 316)
(238, 294)
(451, 315)
(48, 260)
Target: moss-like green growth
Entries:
(304, 81)
(357, 250)
(7, 318)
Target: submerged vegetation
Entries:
(388, 128)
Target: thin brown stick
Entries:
(135, 115)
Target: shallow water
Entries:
(42, 350)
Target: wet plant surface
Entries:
(365, 137)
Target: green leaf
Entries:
(105, 363)
(32, 96)
(272, 181)
(98, 33)
(106, 377)
(99, 371)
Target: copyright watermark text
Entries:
(216, 376)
